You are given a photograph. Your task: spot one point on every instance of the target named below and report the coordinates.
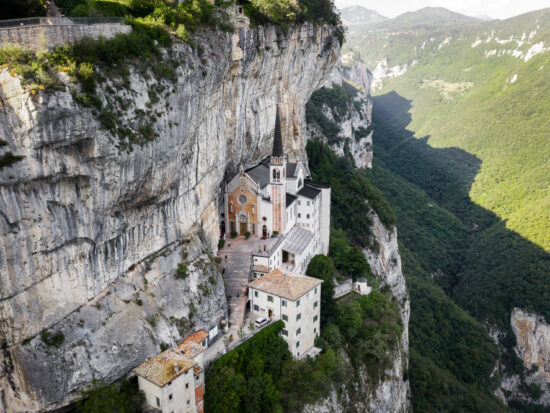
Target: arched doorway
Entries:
(264, 231)
(243, 224)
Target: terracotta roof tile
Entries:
(190, 349)
(286, 285)
(196, 337)
(260, 268)
(165, 367)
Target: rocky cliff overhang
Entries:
(81, 218)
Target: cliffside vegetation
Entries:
(261, 375)
(461, 155)
(350, 193)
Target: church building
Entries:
(276, 199)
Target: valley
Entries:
(461, 140)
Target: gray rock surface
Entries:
(393, 393)
(351, 72)
(83, 213)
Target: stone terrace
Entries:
(237, 270)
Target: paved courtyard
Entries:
(237, 270)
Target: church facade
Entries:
(276, 199)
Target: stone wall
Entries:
(49, 36)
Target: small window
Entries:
(284, 332)
(299, 215)
(256, 308)
(315, 318)
(283, 303)
(315, 330)
(158, 402)
(169, 397)
(298, 331)
(307, 216)
(299, 202)
(188, 401)
(169, 383)
(297, 344)
(270, 298)
(186, 385)
(299, 316)
(308, 203)
(315, 290)
(315, 304)
(285, 317)
(298, 303)
(255, 293)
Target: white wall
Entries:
(309, 328)
(182, 390)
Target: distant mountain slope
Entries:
(427, 17)
(360, 15)
(466, 119)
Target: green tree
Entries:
(321, 267)
(102, 397)
(280, 11)
(355, 264)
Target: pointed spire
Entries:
(278, 139)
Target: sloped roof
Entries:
(196, 337)
(259, 174)
(190, 349)
(286, 285)
(164, 367)
(291, 169)
(278, 138)
(297, 240)
(309, 192)
(260, 268)
(289, 199)
(309, 182)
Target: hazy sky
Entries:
(499, 9)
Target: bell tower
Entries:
(277, 179)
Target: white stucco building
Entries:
(173, 381)
(276, 198)
(293, 298)
(168, 381)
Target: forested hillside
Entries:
(462, 141)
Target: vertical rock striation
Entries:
(356, 124)
(392, 394)
(91, 231)
(533, 348)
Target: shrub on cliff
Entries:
(101, 397)
(321, 267)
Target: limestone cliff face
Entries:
(356, 125)
(91, 231)
(533, 348)
(384, 71)
(392, 394)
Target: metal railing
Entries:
(57, 21)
